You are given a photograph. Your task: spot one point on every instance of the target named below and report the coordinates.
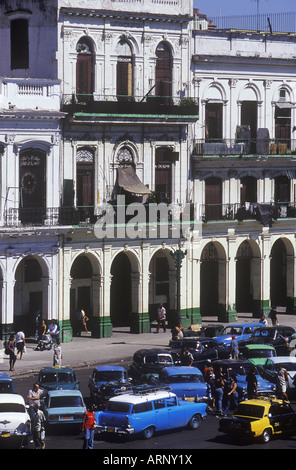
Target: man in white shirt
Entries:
(20, 343)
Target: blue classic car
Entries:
(64, 407)
(61, 378)
(148, 410)
(186, 382)
(102, 375)
(240, 368)
(242, 331)
(6, 383)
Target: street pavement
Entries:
(86, 351)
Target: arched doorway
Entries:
(160, 287)
(81, 288)
(29, 296)
(244, 295)
(282, 274)
(212, 281)
(121, 291)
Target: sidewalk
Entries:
(87, 351)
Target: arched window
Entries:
(124, 87)
(163, 73)
(84, 70)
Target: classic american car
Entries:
(148, 410)
(64, 407)
(102, 375)
(240, 368)
(6, 383)
(286, 362)
(147, 361)
(260, 418)
(61, 378)
(276, 336)
(15, 424)
(186, 382)
(202, 349)
(242, 331)
(257, 353)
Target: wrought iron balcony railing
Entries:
(116, 105)
(248, 211)
(241, 147)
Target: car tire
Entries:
(266, 436)
(148, 432)
(195, 422)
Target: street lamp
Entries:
(178, 256)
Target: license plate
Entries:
(110, 430)
(5, 434)
(66, 417)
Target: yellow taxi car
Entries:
(262, 418)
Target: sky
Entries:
(215, 8)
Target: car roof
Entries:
(179, 370)
(281, 359)
(5, 377)
(233, 325)
(11, 398)
(135, 399)
(259, 346)
(56, 369)
(53, 393)
(109, 368)
(261, 401)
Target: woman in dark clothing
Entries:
(11, 350)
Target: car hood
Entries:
(55, 386)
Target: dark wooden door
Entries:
(213, 116)
(85, 190)
(32, 186)
(163, 74)
(124, 79)
(84, 80)
(213, 199)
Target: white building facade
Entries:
(121, 105)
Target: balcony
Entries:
(256, 211)
(131, 107)
(29, 94)
(243, 147)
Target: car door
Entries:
(176, 417)
(161, 414)
(282, 418)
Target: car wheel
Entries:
(148, 432)
(195, 421)
(266, 435)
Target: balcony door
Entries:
(32, 184)
(124, 86)
(85, 184)
(213, 114)
(163, 74)
(213, 199)
(84, 70)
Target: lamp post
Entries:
(178, 256)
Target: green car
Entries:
(257, 353)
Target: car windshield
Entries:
(65, 402)
(12, 408)
(159, 359)
(258, 353)
(270, 334)
(230, 330)
(110, 376)
(289, 366)
(5, 387)
(66, 377)
(239, 369)
(185, 378)
(117, 407)
(252, 411)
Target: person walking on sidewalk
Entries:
(161, 318)
(11, 351)
(20, 343)
(57, 354)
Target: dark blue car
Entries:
(6, 383)
(186, 382)
(102, 375)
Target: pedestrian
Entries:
(34, 397)
(263, 320)
(177, 332)
(53, 330)
(210, 380)
(88, 428)
(78, 322)
(57, 354)
(186, 357)
(252, 383)
(273, 316)
(84, 320)
(219, 390)
(234, 350)
(20, 343)
(11, 351)
(42, 330)
(281, 383)
(161, 318)
(38, 427)
(231, 394)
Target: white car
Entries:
(287, 362)
(15, 424)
